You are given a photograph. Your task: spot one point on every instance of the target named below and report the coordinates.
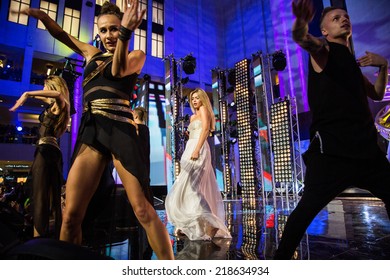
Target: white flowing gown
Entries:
(194, 203)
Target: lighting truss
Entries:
(262, 83)
(281, 141)
(296, 150)
(264, 86)
(245, 129)
(171, 111)
(174, 113)
(175, 120)
(222, 118)
(226, 148)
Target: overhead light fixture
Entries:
(147, 78)
(189, 64)
(185, 80)
(279, 61)
(232, 105)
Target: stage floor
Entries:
(349, 228)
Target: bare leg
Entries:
(83, 179)
(155, 230)
(36, 233)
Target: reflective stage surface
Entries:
(349, 228)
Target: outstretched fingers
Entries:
(371, 59)
(17, 105)
(132, 16)
(303, 10)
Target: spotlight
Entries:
(10, 64)
(19, 128)
(189, 64)
(185, 80)
(147, 78)
(232, 106)
(233, 141)
(279, 61)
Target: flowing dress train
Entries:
(194, 204)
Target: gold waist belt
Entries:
(49, 140)
(384, 120)
(98, 106)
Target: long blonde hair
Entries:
(57, 83)
(204, 98)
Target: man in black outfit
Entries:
(343, 151)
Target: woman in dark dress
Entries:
(46, 171)
(107, 130)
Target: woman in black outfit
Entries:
(107, 130)
(46, 171)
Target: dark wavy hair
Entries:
(109, 8)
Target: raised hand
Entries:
(372, 59)
(303, 10)
(132, 18)
(36, 13)
(19, 102)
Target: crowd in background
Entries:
(10, 134)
